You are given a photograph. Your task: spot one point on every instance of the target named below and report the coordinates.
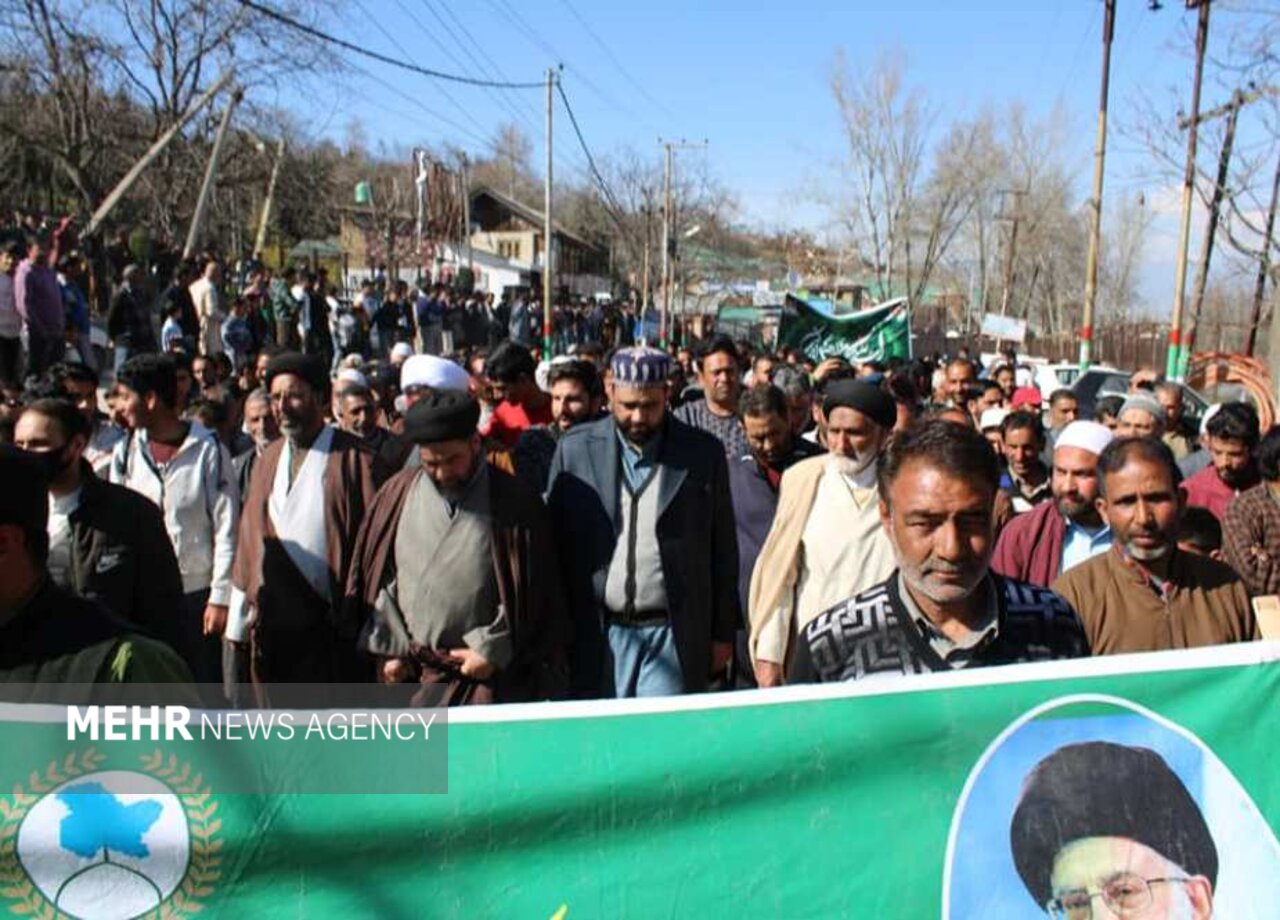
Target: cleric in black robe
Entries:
(455, 571)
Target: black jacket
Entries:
(122, 557)
(696, 539)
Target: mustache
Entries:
(938, 566)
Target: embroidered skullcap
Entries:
(641, 367)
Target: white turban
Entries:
(435, 373)
(1089, 436)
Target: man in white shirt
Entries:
(826, 542)
(208, 303)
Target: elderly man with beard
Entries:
(942, 609)
(1055, 536)
(826, 542)
(306, 500)
(260, 423)
(1145, 594)
(577, 396)
(644, 521)
(455, 578)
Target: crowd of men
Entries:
(287, 510)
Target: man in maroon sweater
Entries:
(1232, 435)
(1040, 545)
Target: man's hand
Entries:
(721, 654)
(472, 663)
(826, 367)
(215, 619)
(768, 674)
(395, 671)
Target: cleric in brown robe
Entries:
(306, 500)
(455, 572)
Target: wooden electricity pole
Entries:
(1173, 361)
(1095, 203)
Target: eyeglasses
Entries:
(1124, 896)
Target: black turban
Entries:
(310, 368)
(863, 397)
(444, 415)
(1099, 789)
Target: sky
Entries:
(752, 79)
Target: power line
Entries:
(614, 58)
(373, 55)
(610, 203)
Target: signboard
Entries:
(1004, 327)
(875, 334)
(969, 795)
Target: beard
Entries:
(924, 578)
(852, 466)
(1076, 509)
(1147, 553)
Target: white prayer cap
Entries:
(541, 376)
(351, 375)
(1090, 436)
(401, 350)
(435, 373)
(1208, 416)
(993, 418)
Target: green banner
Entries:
(1146, 781)
(875, 334)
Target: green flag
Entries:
(875, 334)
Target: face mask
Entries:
(52, 462)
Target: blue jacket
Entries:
(755, 503)
(696, 540)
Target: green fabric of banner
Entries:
(892, 800)
(877, 334)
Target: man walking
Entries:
(717, 412)
(641, 508)
(307, 498)
(39, 302)
(577, 396)
(942, 609)
(106, 542)
(754, 481)
(1058, 535)
(1232, 441)
(1145, 594)
(455, 581)
(129, 323)
(181, 468)
(827, 541)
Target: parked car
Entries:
(1098, 382)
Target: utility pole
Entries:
(1264, 269)
(1211, 230)
(668, 236)
(466, 212)
(666, 252)
(210, 175)
(1015, 218)
(1095, 203)
(648, 246)
(1174, 359)
(260, 242)
(547, 240)
(163, 141)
